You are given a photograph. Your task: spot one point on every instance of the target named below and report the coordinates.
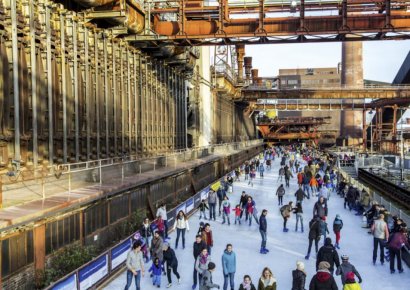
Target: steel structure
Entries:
(193, 22)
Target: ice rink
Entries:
(285, 248)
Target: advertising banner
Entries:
(93, 272)
(119, 253)
(70, 283)
(204, 193)
(189, 205)
(181, 207)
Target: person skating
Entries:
(229, 267)
(221, 195)
(263, 226)
(198, 247)
(156, 247)
(397, 242)
(247, 283)
(162, 212)
(252, 176)
(323, 280)
(314, 235)
(261, 170)
(324, 230)
(320, 208)
(345, 268)
(299, 277)
(181, 226)
(171, 263)
(300, 195)
(288, 175)
(286, 211)
(250, 207)
(226, 210)
(337, 227)
(280, 192)
(135, 266)
(202, 262)
(298, 210)
(156, 269)
(267, 281)
(202, 208)
(206, 280)
(160, 223)
(281, 173)
(351, 284)
(329, 254)
(238, 212)
(212, 198)
(207, 237)
(146, 234)
(380, 235)
(243, 201)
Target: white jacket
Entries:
(181, 224)
(163, 212)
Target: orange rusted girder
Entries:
(341, 21)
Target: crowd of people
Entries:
(316, 176)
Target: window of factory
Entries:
(138, 199)
(119, 207)
(62, 232)
(16, 252)
(95, 218)
(292, 82)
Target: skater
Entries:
(172, 263)
(247, 284)
(229, 267)
(267, 281)
(135, 266)
(252, 176)
(286, 211)
(299, 216)
(280, 192)
(162, 212)
(202, 208)
(160, 223)
(206, 281)
(156, 270)
(202, 262)
(299, 277)
(226, 209)
(313, 185)
(221, 195)
(263, 230)
(199, 246)
(181, 226)
(345, 268)
(328, 254)
(337, 227)
(238, 213)
(320, 208)
(351, 284)
(250, 207)
(288, 175)
(156, 247)
(243, 201)
(324, 230)
(281, 173)
(300, 195)
(380, 235)
(261, 170)
(323, 280)
(146, 234)
(207, 237)
(314, 234)
(397, 242)
(247, 170)
(212, 204)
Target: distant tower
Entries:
(352, 76)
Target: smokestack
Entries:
(240, 53)
(248, 67)
(255, 73)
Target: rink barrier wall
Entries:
(100, 269)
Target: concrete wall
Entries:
(205, 100)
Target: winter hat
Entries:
(328, 241)
(345, 257)
(300, 266)
(350, 276)
(201, 224)
(324, 265)
(338, 216)
(165, 245)
(211, 266)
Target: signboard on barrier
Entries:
(119, 254)
(93, 272)
(204, 193)
(189, 205)
(181, 207)
(68, 283)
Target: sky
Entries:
(381, 59)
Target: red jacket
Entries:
(207, 238)
(237, 211)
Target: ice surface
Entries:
(285, 248)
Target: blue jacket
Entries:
(156, 270)
(262, 223)
(229, 262)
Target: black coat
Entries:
(329, 254)
(170, 258)
(300, 194)
(262, 223)
(299, 280)
(252, 287)
(198, 247)
(320, 209)
(314, 229)
(243, 200)
(323, 281)
(146, 231)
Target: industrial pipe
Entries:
(94, 3)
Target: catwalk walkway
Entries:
(285, 248)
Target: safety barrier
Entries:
(97, 271)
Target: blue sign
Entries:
(93, 272)
(181, 207)
(189, 204)
(69, 283)
(119, 253)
